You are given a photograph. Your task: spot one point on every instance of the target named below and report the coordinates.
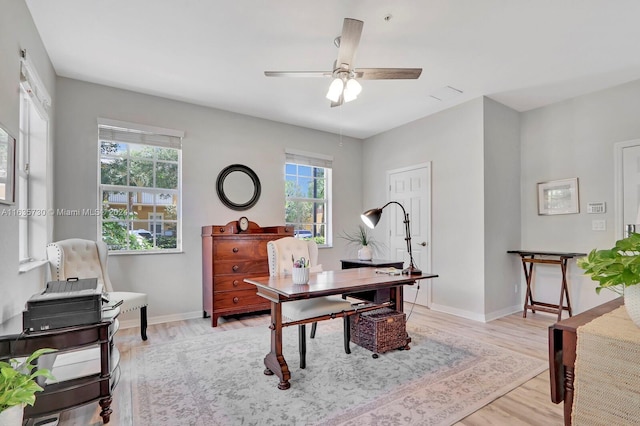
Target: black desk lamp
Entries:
(371, 219)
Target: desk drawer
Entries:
(236, 299)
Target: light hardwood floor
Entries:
(529, 404)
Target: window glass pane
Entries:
(166, 175)
(167, 239)
(141, 173)
(167, 154)
(141, 151)
(113, 148)
(304, 170)
(168, 205)
(140, 196)
(306, 201)
(113, 171)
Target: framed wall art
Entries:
(558, 197)
(7, 167)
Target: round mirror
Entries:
(238, 187)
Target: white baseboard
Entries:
(475, 316)
(457, 312)
(131, 323)
(502, 312)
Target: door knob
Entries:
(423, 244)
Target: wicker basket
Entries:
(380, 330)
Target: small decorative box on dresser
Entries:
(231, 253)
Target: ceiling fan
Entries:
(344, 86)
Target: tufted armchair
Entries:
(76, 258)
(279, 253)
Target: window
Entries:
(140, 182)
(34, 173)
(308, 195)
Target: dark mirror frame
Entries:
(225, 199)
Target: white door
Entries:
(411, 187)
(631, 186)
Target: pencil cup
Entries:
(300, 275)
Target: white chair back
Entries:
(280, 252)
(78, 258)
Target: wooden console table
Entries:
(563, 338)
(69, 390)
(529, 257)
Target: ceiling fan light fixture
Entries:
(352, 90)
(335, 90)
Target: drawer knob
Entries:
(235, 283)
(235, 249)
(236, 300)
(235, 268)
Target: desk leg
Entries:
(528, 297)
(105, 413)
(397, 302)
(274, 361)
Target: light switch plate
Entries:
(599, 225)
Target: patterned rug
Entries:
(218, 380)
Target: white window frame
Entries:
(311, 159)
(34, 199)
(140, 134)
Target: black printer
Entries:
(64, 304)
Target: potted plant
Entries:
(618, 269)
(18, 386)
(361, 239)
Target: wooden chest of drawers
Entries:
(229, 256)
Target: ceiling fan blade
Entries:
(349, 40)
(388, 73)
(298, 73)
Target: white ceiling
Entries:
(522, 53)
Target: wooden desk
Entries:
(379, 296)
(530, 258)
(563, 339)
(76, 391)
(281, 289)
(375, 263)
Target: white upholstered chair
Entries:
(77, 258)
(280, 253)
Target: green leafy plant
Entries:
(360, 237)
(615, 268)
(18, 380)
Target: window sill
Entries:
(144, 252)
(28, 266)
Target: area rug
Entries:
(218, 379)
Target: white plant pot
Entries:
(365, 253)
(12, 416)
(632, 302)
(300, 275)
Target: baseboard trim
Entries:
(474, 316)
(131, 323)
(457, 312)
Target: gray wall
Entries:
(575, 138)
(17, 32)
(453, 141)
(502, 289)
(213, 140)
